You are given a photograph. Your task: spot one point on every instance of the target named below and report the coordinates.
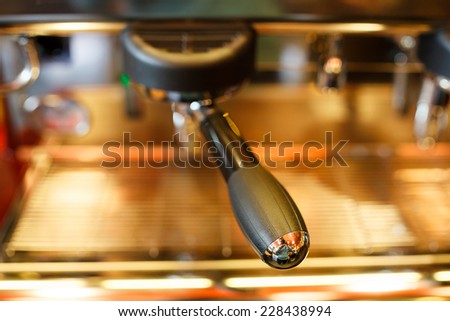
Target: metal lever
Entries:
(264, 210)
(431, 118)
(30, 70)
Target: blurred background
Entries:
(373, 75)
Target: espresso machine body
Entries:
(109, 181)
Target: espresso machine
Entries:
(257, 150)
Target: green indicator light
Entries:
(125, 80)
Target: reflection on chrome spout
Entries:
(287, 251)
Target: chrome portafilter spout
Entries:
(431, 118)
(331, 73)
(198, 65)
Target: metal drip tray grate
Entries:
(384, 205)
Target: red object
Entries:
(11, 174)
(2, 138)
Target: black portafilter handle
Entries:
(263, 208)
(200, 63)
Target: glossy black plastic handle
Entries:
(264, 210)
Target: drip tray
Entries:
(78, 210)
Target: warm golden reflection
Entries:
(66, 293)
(442, 276)
(59, 284)
(157, 284)
(333, 65)
(423, 175)
(64, 28)
(72, 203)
(366, 281)
(385, 283)
(81, 219)
(286, 27)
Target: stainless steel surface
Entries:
(30, 70)
(80, 210)
(379, 226)
(56, 112)
(67, 28)
(106, 228)
(306, 10)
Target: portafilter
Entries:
(198, 64)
